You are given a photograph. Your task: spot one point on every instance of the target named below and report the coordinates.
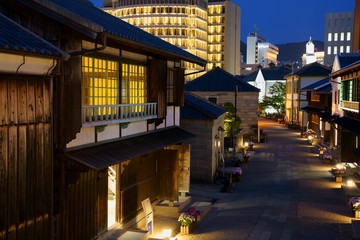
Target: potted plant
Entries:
(251, 146)
(354, 202)
(327, 158)
(187, 220)
(339, 174)
(246, 157)
(321, 149)
(236, 173)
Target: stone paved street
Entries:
(286, 192)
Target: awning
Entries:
(104, 155)
(312, 109)
(350, 124)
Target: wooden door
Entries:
(168, 165)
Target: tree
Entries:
(232, 121)
(276, 100)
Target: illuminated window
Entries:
(348, 36)
(342, 36)
(329, 37)
(329, 50)
(347, 49)
(341, 49)
(335, 49)
(101, 79)
(335, 37)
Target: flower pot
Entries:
(236, 178)
(338, 179)
(251, 147)
(327, 160)
(357, 214)
(246, 159)
(187, 229)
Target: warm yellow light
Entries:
(310, 137)
(166, 233)
(339, 166)
(350, 183)
(246, 144)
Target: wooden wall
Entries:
(82, 209)
(25, 158)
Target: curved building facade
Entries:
(183, 23)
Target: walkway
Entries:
(285, 193)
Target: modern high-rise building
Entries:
(208, 30)
(183, 23)
(338, 35)
(224, 35)
(259, 51)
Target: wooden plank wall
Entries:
(25, 158)
(138, 180)
(83, 201)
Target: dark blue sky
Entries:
(283, 21)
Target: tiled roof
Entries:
(346, 59)
(196, 107)
(119, 28)
(277, 73)
(324, 89)
(317, 84)
(218, 80)
(251, 77)
(15, 38)
(313, 69)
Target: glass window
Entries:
(329, 50)
(335, 36)
(335, 49)
(341, 49)
(133, 84)
(347, 49)
(348, 36)
(342, 36)
(329, 37)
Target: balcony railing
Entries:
(350, 105)
(94, 115)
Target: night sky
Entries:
(283, 21)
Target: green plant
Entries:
(232, 121)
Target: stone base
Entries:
(166, 209)
(339, 179)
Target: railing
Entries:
(93, 115)
(350, 105)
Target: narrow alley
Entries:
(286, 192)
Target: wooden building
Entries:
(348, 122)
(318, 108)
(96, 132)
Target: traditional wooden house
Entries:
(318, 108)
(26, 64)
(206, 120)
(220, 87)
(294, 101)
(347, 124)
(96, 137)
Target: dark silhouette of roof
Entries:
(15, 38)
(218, 80)
(277, 73)
(322, 86)
(312, 69)
(346, 59)
(196, 107)
(119, 28)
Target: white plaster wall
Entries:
(134, 128)
(110, 132)
(177, 116)
(85, 136)
(170, 116)
(260, 84)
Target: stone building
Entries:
(219, 87)
(206, 120)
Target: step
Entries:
(168, 209)
(203, 207)
(351, 190)
(134, 235)
(356, 228)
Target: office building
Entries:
(259, 51)
(338, 35)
